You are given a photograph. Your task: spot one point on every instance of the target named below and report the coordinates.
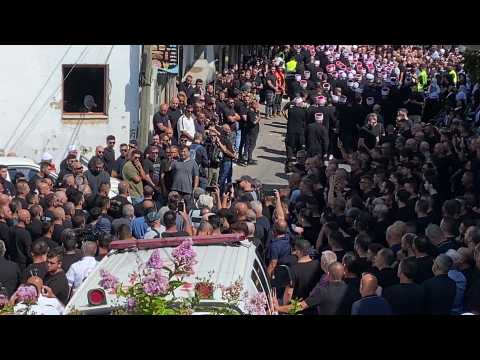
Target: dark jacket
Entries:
(440, 294)
(10, 276)
(317, 139)
(95, 180)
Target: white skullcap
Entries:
(46, 157)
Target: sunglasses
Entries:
(100, 152)
(123, 149)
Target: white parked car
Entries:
(29, 168)
(228, 258)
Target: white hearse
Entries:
(230, 257)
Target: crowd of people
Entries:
(380, 215)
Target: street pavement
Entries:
(270, 154)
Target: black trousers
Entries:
(294, 142)
(251, 141)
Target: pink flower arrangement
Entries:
(27, 294)
(108, 281)
(256, 304)
(184, 257)
(155, 283)
(155, 261)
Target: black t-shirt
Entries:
(439, 295)
(23, 243)
(160, 119)
(405, 299)
(69, 259)
(38, 269)
(304, 278)
(59, 285)
(273, 79)
(6, 236)
(35, 229)
(152, 169)
(118, 166)
(174, 234)
(387, 277)
(57, 233)
(352, 295)
(424, 269)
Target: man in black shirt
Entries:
(270, 90)
(295, 139)
(440, 290)
(170, 221)
(352, 279)
(10, 275)
(424, 261)
(120, 161)
(252, 129)
(56, 278)
(384, 262)
(22, 240)
(35, 226)
(71, 253)
(38, 267)
(305, 273)
(109, 154)
(406, 298)
(6, 230)
(161, 120)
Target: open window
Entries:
(85, 89)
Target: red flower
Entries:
(204, 290)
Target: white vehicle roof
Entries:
(229, 263)
(17, 161)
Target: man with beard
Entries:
(109, 154)
(97, 176)
(252, 129)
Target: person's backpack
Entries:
(158, 234)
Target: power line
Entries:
(36, 97)
(21, 137)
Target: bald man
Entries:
(370, 303)
(22, 240)
(161, 120)
(240, 211)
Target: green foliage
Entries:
(295, 306)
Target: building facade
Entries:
(58, 95)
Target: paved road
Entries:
(270, 154)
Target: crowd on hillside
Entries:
(381, 212)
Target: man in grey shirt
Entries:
(185, 176)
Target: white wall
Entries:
(31, 98)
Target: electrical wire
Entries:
(36, 97)
(21, 137)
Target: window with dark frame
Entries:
(80, 81)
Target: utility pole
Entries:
(145, 83)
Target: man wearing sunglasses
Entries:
(99, 154)
(121, 160)
(109, 154)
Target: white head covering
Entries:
(46, 157)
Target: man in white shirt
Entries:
(156, 228)
(80, 270)
(186, 125)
